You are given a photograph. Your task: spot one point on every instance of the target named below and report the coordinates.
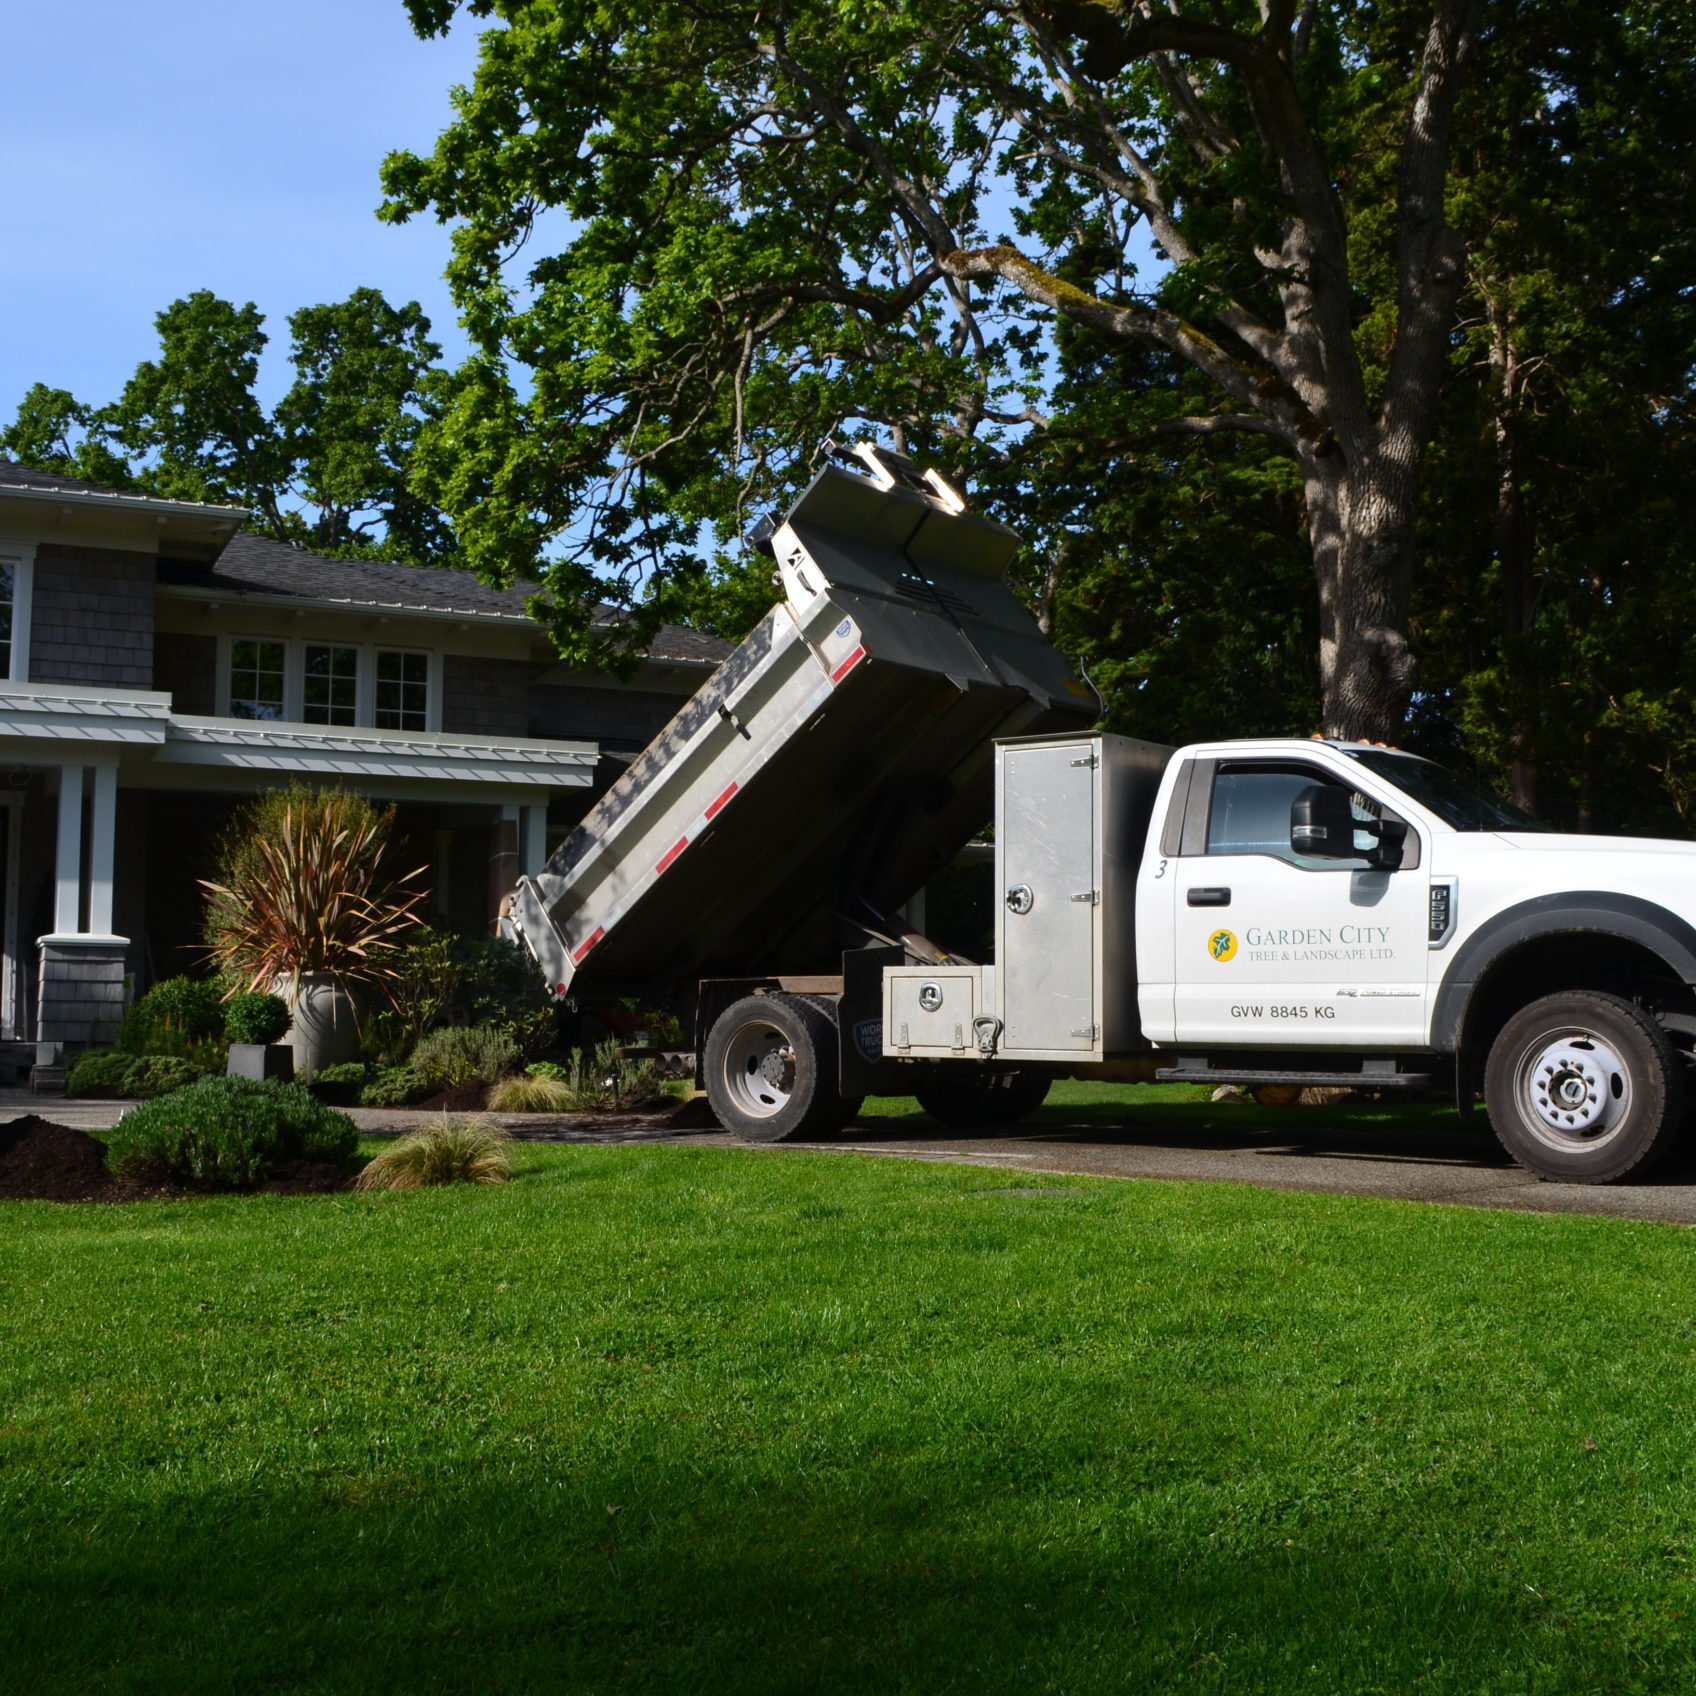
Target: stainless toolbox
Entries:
(932, 1012)
(1071, 818)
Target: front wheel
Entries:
(982, 1098)
(1584, 1088)
(771, 1070)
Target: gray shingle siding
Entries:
(186, 669)
(621, 718)
(482, 697)
(92, 617)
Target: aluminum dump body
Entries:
(830, 766)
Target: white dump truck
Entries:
(1258, 912)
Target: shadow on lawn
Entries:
(508, 1589)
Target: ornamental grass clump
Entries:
(227, 1133)
(533, 1094)
(306, 886)
(452, 1151)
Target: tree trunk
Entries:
(1516, 550)
(1360, 523)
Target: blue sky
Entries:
(151, 150)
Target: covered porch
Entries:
(111, 807)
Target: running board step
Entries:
(1298, 1080)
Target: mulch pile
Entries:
(41, 1161)
(458, 1098)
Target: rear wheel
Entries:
(982, 1097)
(771, 1070)
(1584, 1088)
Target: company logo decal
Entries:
(1222, 945)
(868, 1038)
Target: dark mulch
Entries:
(41, 1161)
(458, 1098)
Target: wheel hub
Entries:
(759, 1070)
(1577, 1088)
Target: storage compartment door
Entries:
(1045, 847)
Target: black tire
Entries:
(980, 1097)
(1584, 1088)
(771, 1070)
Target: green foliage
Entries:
(256, 1016)
(481, 981)
(452, 1151)
(599, 1081)
(153, 1075)
(327, 468)
(99, 1072)
(344, 1072)
(227, 1133)
(109, 1073)
(395, 1086)
(181, 1016)
(463, 1054)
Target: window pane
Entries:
(331, 694)
(256, 679)
(403, 690)
(6, 591)
(1251, 815)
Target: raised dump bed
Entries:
(836, 760)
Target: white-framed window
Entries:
(403, 689)
(258, 678)
(329, 683)
(301, 680)
(17, 594)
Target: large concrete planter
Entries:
(325, 1031)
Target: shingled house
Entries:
(157, 664)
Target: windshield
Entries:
(1458, 801)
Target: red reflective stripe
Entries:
(848, 665)
(671, 853)
(600, 931)
(722, 799)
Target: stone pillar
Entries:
(533, 837)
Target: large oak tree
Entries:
(694, 242)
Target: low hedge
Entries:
(104, 1072)
(227, 1133)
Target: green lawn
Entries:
(676, 1419)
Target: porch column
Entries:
(503, 865)
(533, 835)
(67, 889)
(81, 997)
(102, 844)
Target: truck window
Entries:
(1462, 803)
(1250, 813)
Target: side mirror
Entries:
(1322, 823)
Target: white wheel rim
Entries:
(1574, 1090)
(759, 1070)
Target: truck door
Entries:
(1277, 949)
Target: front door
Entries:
(1277, 949)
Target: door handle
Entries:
(1209, 897)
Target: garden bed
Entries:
(43, 1161)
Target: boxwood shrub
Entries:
(102, 1072)
(227, 1133)
(256, 1017)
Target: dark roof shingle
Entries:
(257, 565)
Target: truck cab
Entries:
(1325, 899)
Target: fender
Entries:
(1586, 910)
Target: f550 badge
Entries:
(1222, 945)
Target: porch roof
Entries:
(40, 722)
